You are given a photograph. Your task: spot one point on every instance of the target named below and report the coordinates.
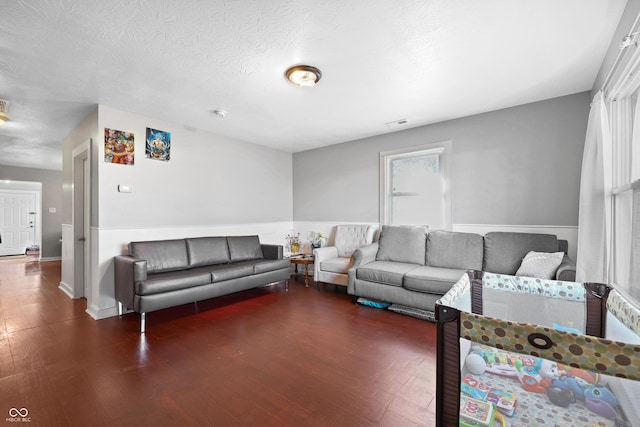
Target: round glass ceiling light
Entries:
(304, 75)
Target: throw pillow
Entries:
(542, 265)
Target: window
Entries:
(414, 186)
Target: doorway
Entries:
(81, 220)
(20, 219)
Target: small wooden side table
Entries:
(305, 261)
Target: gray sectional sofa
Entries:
(412, 268)
(166, 273)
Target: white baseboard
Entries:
(66, 289)
(51, 258)
(101, 313)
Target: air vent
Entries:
(221, 114)
(397, 123)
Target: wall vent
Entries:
(397, 123)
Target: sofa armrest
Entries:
(361, 256)
(272, 251)
(322, 254)
(128, 271)
(566, 270)
(365, 254)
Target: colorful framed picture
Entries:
(118, 147)
(158, 145)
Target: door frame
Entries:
(34, 187)
(80, 219)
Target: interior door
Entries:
(17, 221)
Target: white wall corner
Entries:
(64, 287)
(102, 313)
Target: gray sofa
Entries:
(412, 268)
(166, 273)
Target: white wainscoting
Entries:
(328, 228)
(66, 275)
(569, 233)
(109, 242)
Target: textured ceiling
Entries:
(425, 61)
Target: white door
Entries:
(17, 221)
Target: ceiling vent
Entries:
(397, 123)
(4, 106)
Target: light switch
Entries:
(125, 188)
(52, 210)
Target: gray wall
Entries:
(516, 166)
(51, 198)
(210, 179)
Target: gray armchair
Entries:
(332, 263)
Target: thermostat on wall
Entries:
(125, 188)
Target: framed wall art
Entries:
(118, 147)
(158, 145)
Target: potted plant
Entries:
(293, 241)
(317, 239)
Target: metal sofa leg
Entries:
(119, 308)
(143, 321)
(286, 286)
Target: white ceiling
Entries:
(381, 60)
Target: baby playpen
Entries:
(519, 351)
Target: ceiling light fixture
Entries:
(4, 106)
(304, 75)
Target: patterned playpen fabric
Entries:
(570, 291)
(580, 351)
(627, 314)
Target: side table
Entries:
(306, 261)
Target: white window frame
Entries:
(386, 157)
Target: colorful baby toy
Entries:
(498, 363)
(536, 378)
(590, 388)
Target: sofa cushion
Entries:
(242, 248)
(385, 272)
(432, 280)
(337, 265)
(447, 249)
(402, 243)
(542, 265)
(222, 272)
(172, 281)
(265, 265)
(207, 251)
(503, 251)
(161, 255)
(351, 237)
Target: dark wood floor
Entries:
(262, 358)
